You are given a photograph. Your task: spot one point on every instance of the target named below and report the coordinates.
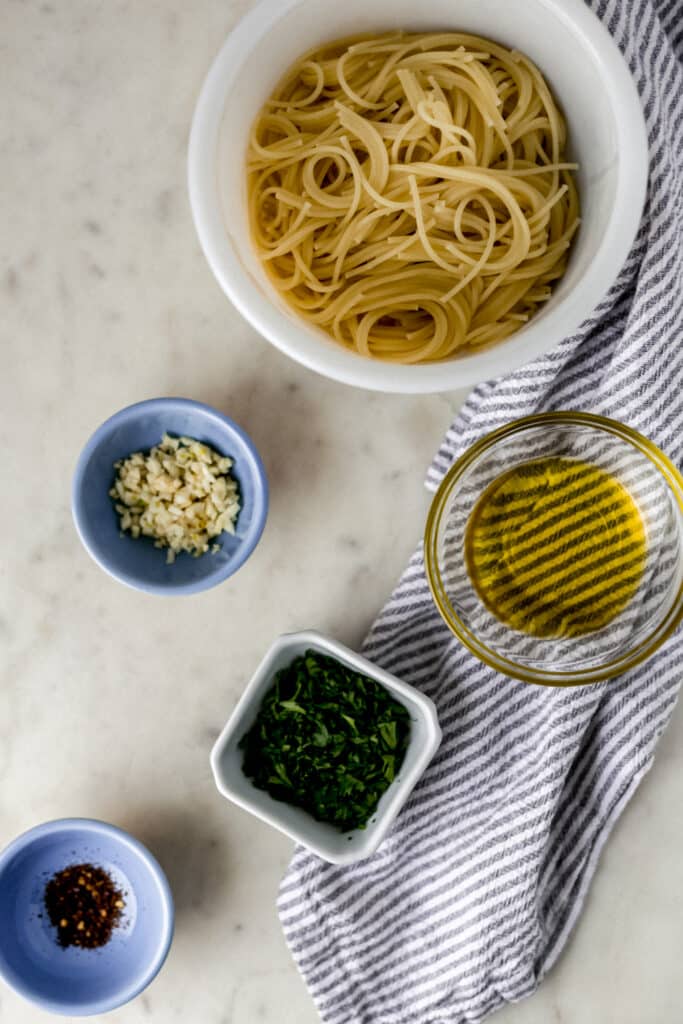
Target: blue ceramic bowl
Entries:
(137, 562)
(71, 981)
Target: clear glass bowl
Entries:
(656, 606)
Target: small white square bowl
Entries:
(324, 840)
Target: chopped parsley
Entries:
(327, 739)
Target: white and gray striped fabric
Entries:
(470, 900)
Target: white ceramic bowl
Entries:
(607, 134)
(325, 840)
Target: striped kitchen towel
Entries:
(470, 900)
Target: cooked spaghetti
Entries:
(409, 194)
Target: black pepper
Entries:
(84, 905)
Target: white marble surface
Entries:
(110, 700)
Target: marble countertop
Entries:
(109, 699)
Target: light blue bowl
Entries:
(137, 562)
(71, 981)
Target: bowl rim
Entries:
(223, 570)
(376, 831)
(493, 659)
(334, 362)
(58, 826)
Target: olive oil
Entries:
(556, 547)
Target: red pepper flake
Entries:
(84, 905)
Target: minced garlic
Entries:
(180, 494)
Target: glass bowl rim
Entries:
(578, 677)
